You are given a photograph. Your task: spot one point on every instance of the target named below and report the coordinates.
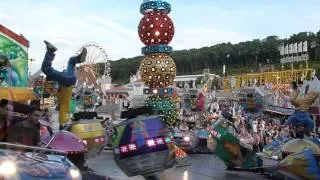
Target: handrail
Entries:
(275, 77)
(274, 72)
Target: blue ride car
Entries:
(32, 163)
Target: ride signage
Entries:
(304, 57)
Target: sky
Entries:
(69, 24)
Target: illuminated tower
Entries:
(158, 69)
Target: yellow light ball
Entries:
(158, 70)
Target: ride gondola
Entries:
(33, 163)
(86, 126)
(142, 144)
(301, 161)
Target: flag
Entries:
(305, 46)
(224, 69)
(295, 48)
(290, 49)
(300, 47)
(286, 50)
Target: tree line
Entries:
(243, 57)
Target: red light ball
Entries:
(156, 28)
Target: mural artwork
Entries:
(14, 72)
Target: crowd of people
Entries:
(256, 129)
(262, 129)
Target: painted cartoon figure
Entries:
(301, 118)
(8, 76)
(3, 67)
(15, 50)
(229, 148)
(65, 79)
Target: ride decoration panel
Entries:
(158, 69)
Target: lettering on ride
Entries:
(304, 57)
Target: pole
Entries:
(282, 64)
(292, 63)
(292, 68)
(292, 75)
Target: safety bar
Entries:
(33, 148)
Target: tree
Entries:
(239, 58)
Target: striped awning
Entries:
(279, 110)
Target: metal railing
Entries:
(31, 148)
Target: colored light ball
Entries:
(158, 70)
(156, 28)
(169, 112)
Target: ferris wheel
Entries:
(95, 65)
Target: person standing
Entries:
(6, 110)
(201, 102)
(104, 100)
(126, 103)
(255, 126)
(256, 143)
(47, 115)
(184, 127)
(210, 107)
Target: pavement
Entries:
(203, 167)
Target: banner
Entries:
(304, 57)
(290, 49)
(224, 69)
(281, 49)
(300, 47)
(286, 50)
(295, 48)
(305, 46)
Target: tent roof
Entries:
(17, 94)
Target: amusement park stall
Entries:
(278, 106)
(14, 74)
(278, 113)
(252, 99)
(115, 92)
